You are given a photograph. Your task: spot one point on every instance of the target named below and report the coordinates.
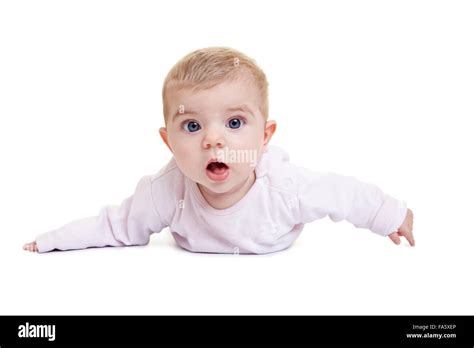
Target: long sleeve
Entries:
(131, 223)
(345, 198)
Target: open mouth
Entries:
(217, 171)
(217, 167)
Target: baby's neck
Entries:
(228, 199)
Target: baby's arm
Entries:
(346, 198)
(131, 223)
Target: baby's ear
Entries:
(164, 137)
(270, 128)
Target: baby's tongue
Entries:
(217, 168)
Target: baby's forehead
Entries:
(227, 82)
(223, 94)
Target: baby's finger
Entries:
(410, 238)
(30, 247)
(395, 238)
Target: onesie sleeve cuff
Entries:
(44, 242)
(389, 217)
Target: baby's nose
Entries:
(213, 138)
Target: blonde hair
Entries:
(207, 67)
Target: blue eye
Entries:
(235, 123)
(192, 126)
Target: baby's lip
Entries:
(211, 160)
(214, 160)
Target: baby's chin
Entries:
(232, 184)
(213, 189)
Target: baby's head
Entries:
(215, 106)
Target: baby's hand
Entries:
(405, 230)
(30, 246)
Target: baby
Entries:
(225, 189)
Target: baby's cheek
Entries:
(182, 149)
(186, 160)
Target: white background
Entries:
(380, 90)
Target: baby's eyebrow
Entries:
(242, 108)
(182, 111)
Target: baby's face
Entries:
(223, 124)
